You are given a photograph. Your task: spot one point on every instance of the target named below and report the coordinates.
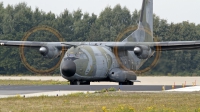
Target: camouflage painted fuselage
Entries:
(97, 63)
(92, 63)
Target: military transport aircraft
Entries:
(84, 62)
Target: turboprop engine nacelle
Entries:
(49, 52)
(142, 51)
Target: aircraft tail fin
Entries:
(144, 33)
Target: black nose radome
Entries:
(68, 68)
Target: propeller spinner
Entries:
(43, 51)
(137, 50)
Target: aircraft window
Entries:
(71, 55)
(81, 55)
(77, 54)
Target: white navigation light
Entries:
(2, 44)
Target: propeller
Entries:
(43, 50)
(125, 60)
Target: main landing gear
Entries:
(79, 82)
(126, 83)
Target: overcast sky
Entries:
(171, 10)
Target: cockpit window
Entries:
(70, 55)
(80, 55)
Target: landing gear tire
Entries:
(79, 82)
(126, 83)
(85, 83)
(74, 83)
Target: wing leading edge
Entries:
(179, 45)
(164, 46)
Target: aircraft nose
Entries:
(68, 68)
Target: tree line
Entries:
(16, 20)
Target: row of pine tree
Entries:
(16, 20)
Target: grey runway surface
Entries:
(13, 90)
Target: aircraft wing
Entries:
(164, 46)
(21, 43)
(33, 43)
(159, 46)
(178, 45)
